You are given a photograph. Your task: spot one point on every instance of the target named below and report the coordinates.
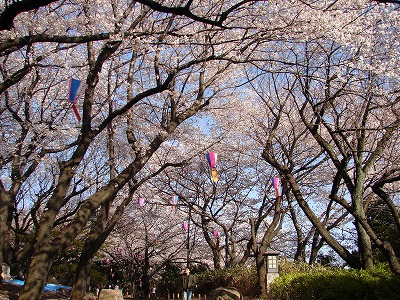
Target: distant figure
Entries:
(188, 283)
(153, 293)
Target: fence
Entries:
(172, 296)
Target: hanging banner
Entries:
(184, 226)
(212, 162)
(175, 200)
(212, 159)
(156, 238)
(276, 182)
(141, 202)
(76, 89)
(278, 192)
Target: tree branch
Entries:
(16, 7)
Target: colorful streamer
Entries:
(184, 226)
(278, 192)
(141, 202)
(212, 162)
(212, 159)
(76, 89)
(276, 183)
(175, 200)
(214, 175)
(76, 112)
(156, 238)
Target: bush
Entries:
(170, 280)
(243, 278)
(333, 283)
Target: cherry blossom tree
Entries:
(176, 109)
(148, 69)
(353, 140)
(329, 92)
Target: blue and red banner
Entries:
(76, 89)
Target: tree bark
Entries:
(38, 271)
(5, 203)
(261, 274)
(364, 240)
(80, 287)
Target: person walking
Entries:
(153, 293)
(188, 282)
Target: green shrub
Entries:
(243, 278)
(320, 283)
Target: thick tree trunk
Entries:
(4, 204)
(261, 275)
(300, 254)
(316, 245)
(38, 272)
(93, 243)
(365, 247)
(384, 246)
(216, 258)
(81, 287)
(364, 240)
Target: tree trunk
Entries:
(330, 240)
(300, 254)
(216, 258)
(80, 287)
(364, 240)
(4, 209)
(261, 275)
(38, 272)
(316, 245)
(145, 278)
(259, 250)
(365, 247)
(93, 243)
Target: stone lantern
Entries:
(272, 259)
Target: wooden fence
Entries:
(172, 296)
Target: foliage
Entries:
(97, 277)
(243, 278)
(287, 267)
(64, 268)
(383, 222)
(334, 283)
(170, 279)
(63, 274)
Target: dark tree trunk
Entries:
(261, 275)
